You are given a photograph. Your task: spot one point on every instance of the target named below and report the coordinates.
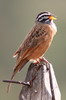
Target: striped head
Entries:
(45, 17)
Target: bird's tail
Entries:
(17, 68)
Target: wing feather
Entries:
(32, 40)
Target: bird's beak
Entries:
(52, 17)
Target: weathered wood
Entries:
(43, 86)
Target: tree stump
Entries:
(43, 83)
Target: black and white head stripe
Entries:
(43, 16)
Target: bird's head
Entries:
(45, 17)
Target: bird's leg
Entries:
(43, 59)
(46, 62)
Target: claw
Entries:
(43, 59)
(46, 62)
(37, 61)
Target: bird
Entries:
(36, 43)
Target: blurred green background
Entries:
(16, 19)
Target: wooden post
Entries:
(43, 83)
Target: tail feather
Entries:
(9, 85)
(16, 69)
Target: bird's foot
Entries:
(37, 61)
(46, 62)
(43, 59)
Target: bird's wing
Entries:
(33, 39)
